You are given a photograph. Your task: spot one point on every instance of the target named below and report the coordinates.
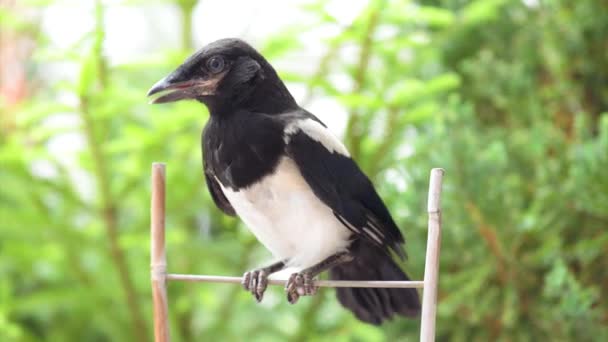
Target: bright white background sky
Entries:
(133, 31)
(143, 31)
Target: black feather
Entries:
(241, 148)
(374, 305)
(218, 195)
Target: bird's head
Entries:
(225, 75)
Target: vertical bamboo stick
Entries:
(158, 270)
(431, 268)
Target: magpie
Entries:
(291, 181)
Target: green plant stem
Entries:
(109, 208)
(109, 214)
(490, 236)
(321, 71)
(186, 7)
(354, 131)
(388, 142)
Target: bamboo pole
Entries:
(431, 265)
(158, 269)
(319, 283)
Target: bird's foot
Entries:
(300, 284)
(256, 282)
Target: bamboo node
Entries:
(158, 272)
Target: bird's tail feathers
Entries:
(375, 305)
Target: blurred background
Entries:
(510, 97)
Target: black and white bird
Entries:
(291, 181)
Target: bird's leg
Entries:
(256, 280)
(302, 283)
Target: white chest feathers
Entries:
(284, 214)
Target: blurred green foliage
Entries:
(509, 97)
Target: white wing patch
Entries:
(373, 223)
(317, 132)
(372, 235)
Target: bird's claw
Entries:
(299, 284)
(256, 282)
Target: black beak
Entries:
(159, 86)
(174, 90)
(177, 87)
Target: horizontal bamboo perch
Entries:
(320, 283)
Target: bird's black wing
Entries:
(208, 139)
(338, 181)
(217, 195)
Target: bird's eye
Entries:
(215, 64)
